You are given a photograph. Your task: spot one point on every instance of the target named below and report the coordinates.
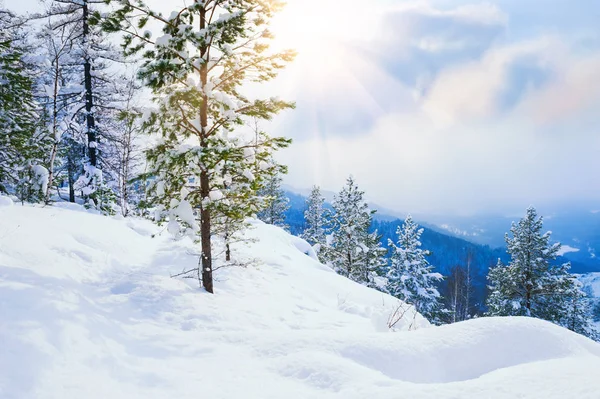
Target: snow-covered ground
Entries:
(88, 310)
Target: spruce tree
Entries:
(314, 220)
(578, 311)
(375, 263)
(530, 285)
(351, 249)
(196, 69)
(410, 276)
(275, 202)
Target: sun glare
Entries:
(314, 27)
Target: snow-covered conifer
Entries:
(530, 285)
(275, 202)
(351, 250)
(410, 276)
(314, 219)
(195, 68)
(578, 312)
(375, 263)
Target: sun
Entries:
(315, 26)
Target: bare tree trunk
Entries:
(205, 221)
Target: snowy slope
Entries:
(88, 310)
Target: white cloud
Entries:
(459, 145)
(472, 90)
(574, 90)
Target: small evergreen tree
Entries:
(530, 286)
(375, 263)
(275, 202)
(578, 310)
(314, 219)
(410, 276)
(351, 250)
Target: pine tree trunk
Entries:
(227, 248)
(89, 102)
(205, 220)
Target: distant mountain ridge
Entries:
(577, 229)
(574, 226)
(447, 248)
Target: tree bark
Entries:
(89, 101)
(54, 131)
(71, 176)
(205, 221)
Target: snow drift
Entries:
(88, 310)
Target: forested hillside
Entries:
(446, 250)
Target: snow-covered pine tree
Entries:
(499, 278)
(524, 286)
(410, 276)
(245, 175)
(351, 250)
(376, 263)
(349, 224)
(314, 220)
(22, 143)
(578, 311)
(196, 68)
(275, 202)
(529, 285)
(94, 90)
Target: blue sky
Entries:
(442, 105)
